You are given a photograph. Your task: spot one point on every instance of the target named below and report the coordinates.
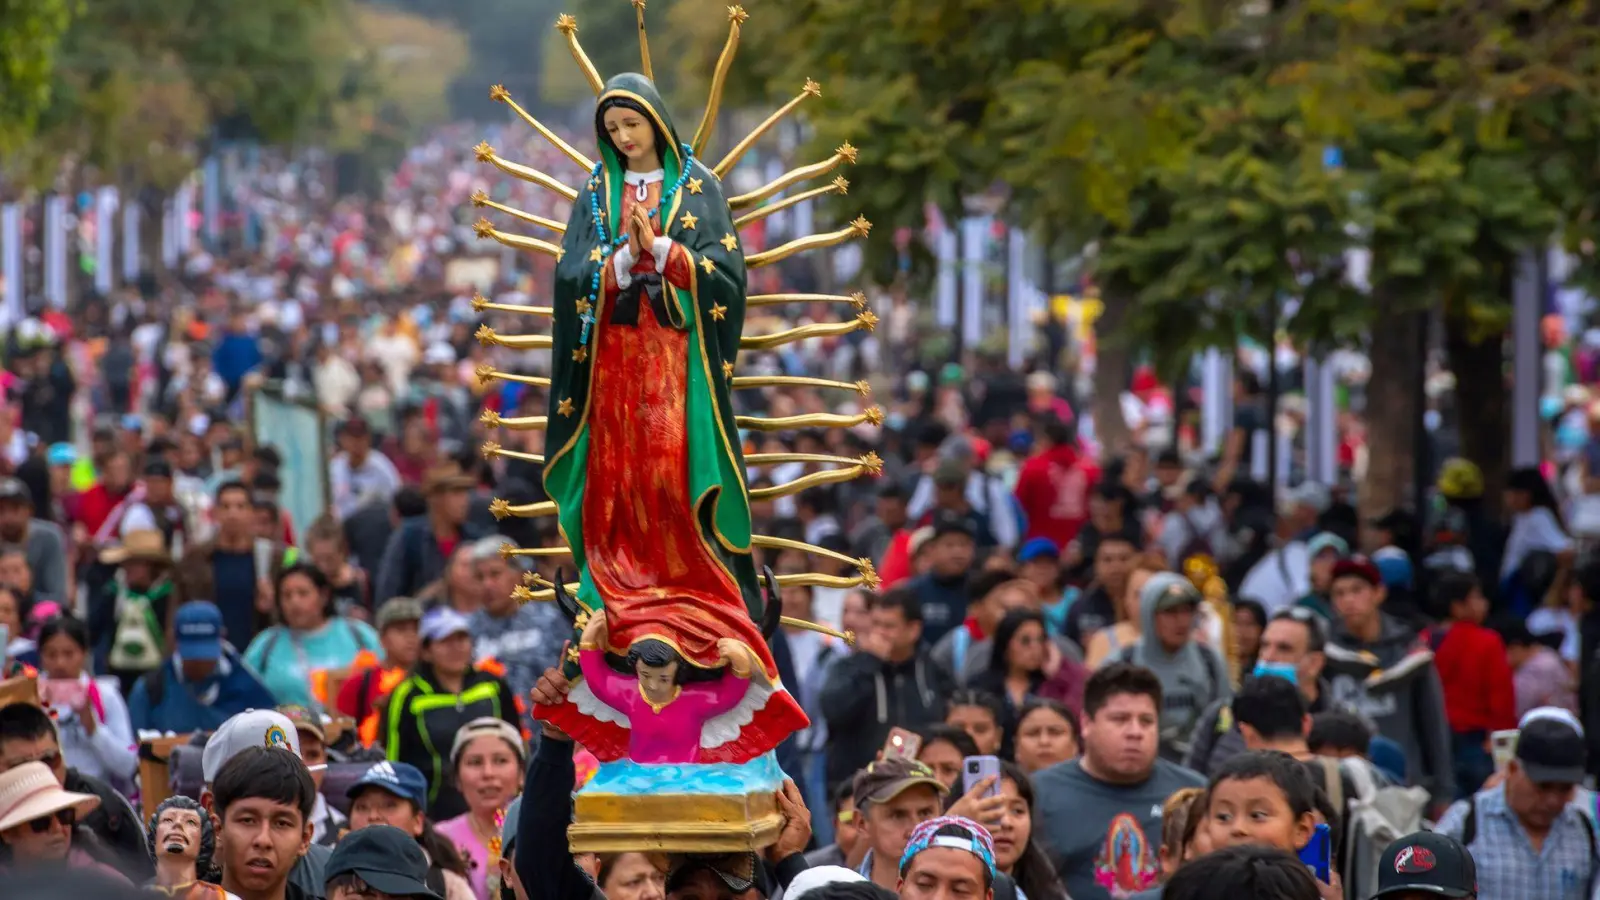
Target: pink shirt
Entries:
(670, 735)
(459, 832)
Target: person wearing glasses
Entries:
(28, 735)
(39, 824)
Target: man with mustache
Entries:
(182, 843)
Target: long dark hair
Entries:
(662, 141)
(318, 580)
(993, 679)
(1531, 481)
(441, 849)
(1033, 873)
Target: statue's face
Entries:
(657, 681)
(178, 833)
(631, 132)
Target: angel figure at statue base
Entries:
(670, 712)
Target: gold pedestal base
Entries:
(674, 823)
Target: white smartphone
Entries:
(1503, 746)
(975, 769)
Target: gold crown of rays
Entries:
(754, 207)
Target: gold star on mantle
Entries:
(581, 354)
(730, 242)
(597, 254)
(727, 370)
(707, 265)
(565, 406)
(696, 185)
(561, 253)
(687, 221)
(719, 312)
(583, 306)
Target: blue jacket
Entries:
(162, 701)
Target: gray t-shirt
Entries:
(1105, 838)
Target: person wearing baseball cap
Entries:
(948, 856)
(1529, 837)
(1193, 675)
(892, 795)
(395, 794)
(1425, 865)
(421, 724)
(1376, 662)
(201, 684)
(381, 860)
(398, 621)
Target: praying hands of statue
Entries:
(640, 232)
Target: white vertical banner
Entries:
(974, 234)
(804, 217)
(56, 250)
(945, 299)
(1216, 400)
(1322, 415)
(1285, 458)
(169, 233)
(11, 263)
(183, 212)
(211, 201)
(105, 239)
(1019, 326)
(130, 241)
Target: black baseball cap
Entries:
(947, 521)
(12, 490)
(1427, 863)
(386, 858)
(1551, 751)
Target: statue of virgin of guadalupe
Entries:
(644, 461)
(644, 469)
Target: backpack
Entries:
(1197, 544)
(1375, 814)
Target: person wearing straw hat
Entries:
(136, 608)
(418, 549)
(39, 822)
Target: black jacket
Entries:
(116, 825)
(420, 723)
(863, 697)
(411, 560)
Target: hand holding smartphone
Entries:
(975, 769)
(1318, 853)
(902, 743)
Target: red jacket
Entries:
(1478, 695)
(95, 506)
(1053, 490)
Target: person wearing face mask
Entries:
(1292, 649)
(486, 764)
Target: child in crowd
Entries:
(979, 713)
(1475, 676)
(1261, 797)
(1181, 816)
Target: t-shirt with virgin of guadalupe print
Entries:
(1105, 838)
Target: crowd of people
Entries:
(1185, 678)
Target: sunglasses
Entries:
(67, 817)
(51, 759)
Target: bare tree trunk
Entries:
(1482, 399)
(1391, 412)
(1112, 366)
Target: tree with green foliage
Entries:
(1186, 139)
(30, 35)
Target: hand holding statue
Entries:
(738, 658)
(594, 631)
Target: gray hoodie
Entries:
(1393, 683)
(1192, 677)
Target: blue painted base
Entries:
(758, 776)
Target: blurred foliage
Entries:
(137, 90)
(30, 35)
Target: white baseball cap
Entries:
(251, 728)
(440, 623)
